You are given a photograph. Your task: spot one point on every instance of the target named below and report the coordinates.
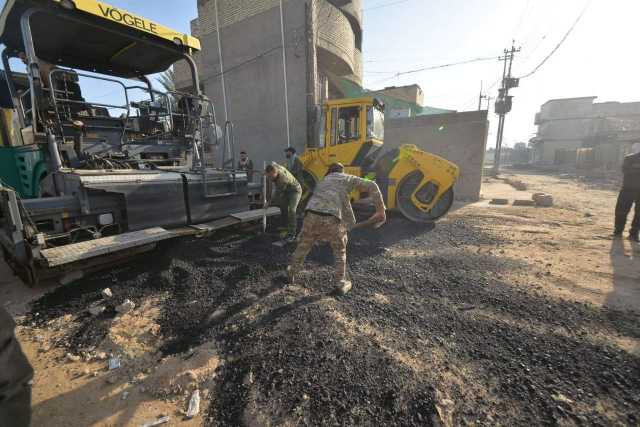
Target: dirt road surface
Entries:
(498, 315)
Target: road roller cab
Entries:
(417, 183)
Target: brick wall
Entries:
(335, 34)
(230, 12)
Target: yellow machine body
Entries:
(417, 183)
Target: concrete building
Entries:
(323, 40)
(411, 93)
(568, 125)
(404, 101)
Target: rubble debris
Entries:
(72, 357)
(543, 199)
(96, 310)
(516, 183)
(561, 398)
(194, 405)
(125, 307)
(101, 355)
(524, 202)
(106, 293)
(161, 420)
(499, 202)
(125, 395)
(114, 363)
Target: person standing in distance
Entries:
(294, 164)
(246, 164)
(629, 195)
(328, 218)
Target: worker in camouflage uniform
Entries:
(329, 216)
(287, 195)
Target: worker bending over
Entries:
(329, 216)
(629, 194)
(287, 195)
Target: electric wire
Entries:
(435, 67)
(382, 5)
(546, 58)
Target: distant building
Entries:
(404, 101)
(411, 93)
(573, 129)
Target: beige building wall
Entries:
(411, 93)
(458, 137)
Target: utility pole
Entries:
(284, 71)
(489, 99)
(224, 86)
(483, 96)
(504, 101)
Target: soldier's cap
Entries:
(336, 167)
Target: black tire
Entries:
(413, 213)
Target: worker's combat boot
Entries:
(634, 237)
(343, 287)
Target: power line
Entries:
(525, 13)
(560, 43)
(435, 67)
(380, 72)
(241, 64)
(380, 6)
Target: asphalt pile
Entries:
(435, 330)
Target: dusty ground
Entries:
(499, 315)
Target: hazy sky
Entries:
(599, 57)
